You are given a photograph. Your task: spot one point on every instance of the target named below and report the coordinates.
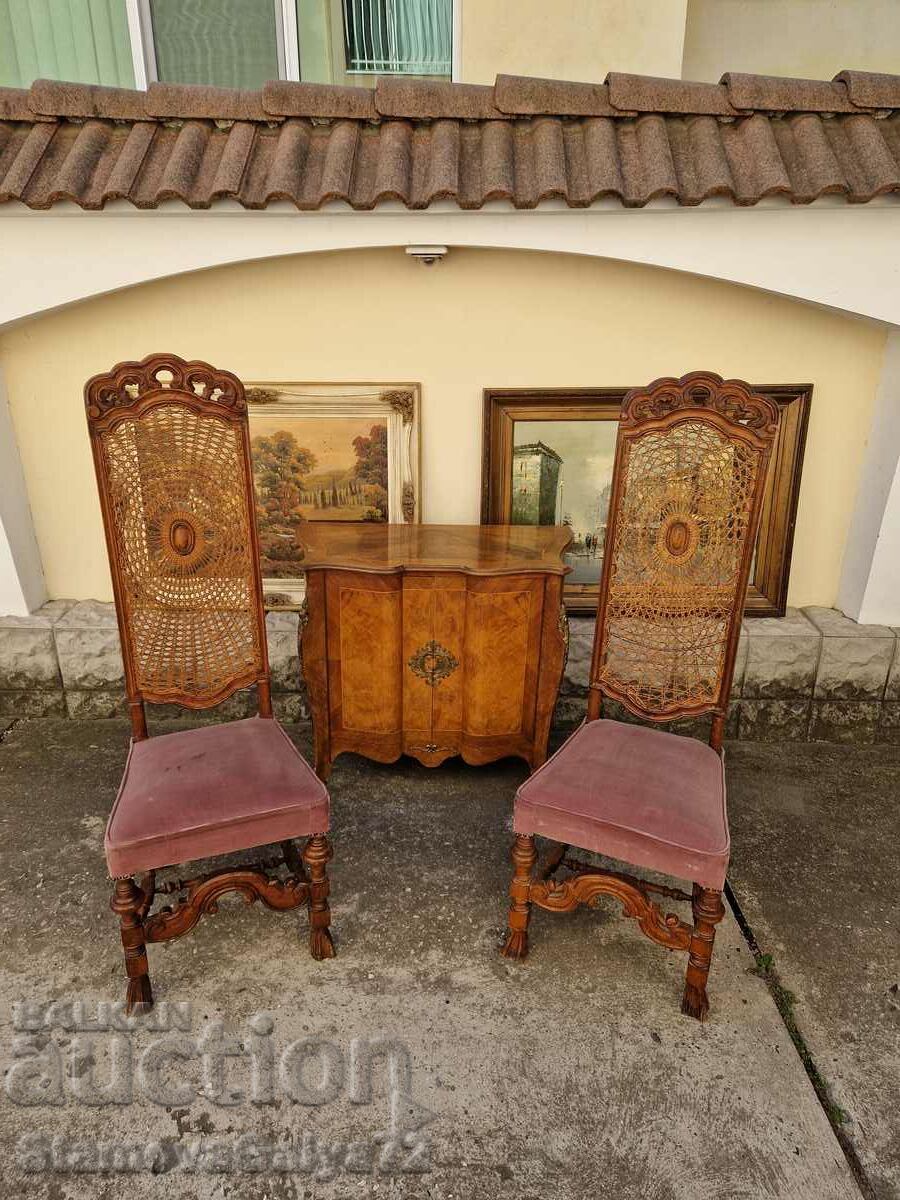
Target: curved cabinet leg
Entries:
(128, 905)
(708, 912)
(316, 853)
(524, 856)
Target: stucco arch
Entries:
(845, 257)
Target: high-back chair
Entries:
(172, 455)
(690, 466)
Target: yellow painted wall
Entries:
(570, 39)
(813, 39)
(482, 318)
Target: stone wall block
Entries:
(855, 659)
(740, 663)
(889, 724)
(892, 688)
(774, 720)
(28, 658)
(290, 708)
(95, 704)
(87, 641)
(850, 722)
(35, 702)
(578, 662)
(782, 657)
(284, 655)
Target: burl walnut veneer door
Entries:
(502, 656)
(363, 639)
(434, 615)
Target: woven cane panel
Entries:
(183, 542)
(676, 565)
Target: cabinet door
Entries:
(502, 658)
(433, 625)
(364, 622)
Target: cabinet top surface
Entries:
(475, 549)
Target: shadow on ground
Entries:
(572, 1075)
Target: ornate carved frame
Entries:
(768, 587)
(128, 392)
(399, 403)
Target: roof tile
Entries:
(520, 95)
(194, 101)
(310, 144)
(772, 93)
(644, 93)
(55, 98)
(425, 100)
(868, 89)
(285, 99)
(14, 106)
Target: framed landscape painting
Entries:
(548, 459)
(328, 452)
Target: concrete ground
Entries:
(571, 1075)
(815, 834)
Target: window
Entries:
(226, 43)
(85, 41)
(229, 43)
(408, 37)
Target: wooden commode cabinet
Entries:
(433, 640)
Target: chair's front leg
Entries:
(523, 856)
(315, 855)
(128, 903)
(708, 912)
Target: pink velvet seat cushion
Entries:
(647, 797)
(211, 791)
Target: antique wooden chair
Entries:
(690, 466)
(172, 456)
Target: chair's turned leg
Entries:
(708, 912)
(126, 903)
(316, 854)
(523, 856)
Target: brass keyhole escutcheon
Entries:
(433, 663)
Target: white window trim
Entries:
(143, 55)
(456, 43)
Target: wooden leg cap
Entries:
(516, 944)
(321, 944)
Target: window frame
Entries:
(143, 52)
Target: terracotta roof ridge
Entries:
(646, 93)
(779, 93)
(622, 95)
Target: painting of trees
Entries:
(372, 468)
(280, 467)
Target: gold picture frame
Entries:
(328, 451)
(505, 407)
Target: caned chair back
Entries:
(691, 461)
(172, 455)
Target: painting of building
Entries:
(535, 490)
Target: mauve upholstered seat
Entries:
(211, 791)
(650, 798)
